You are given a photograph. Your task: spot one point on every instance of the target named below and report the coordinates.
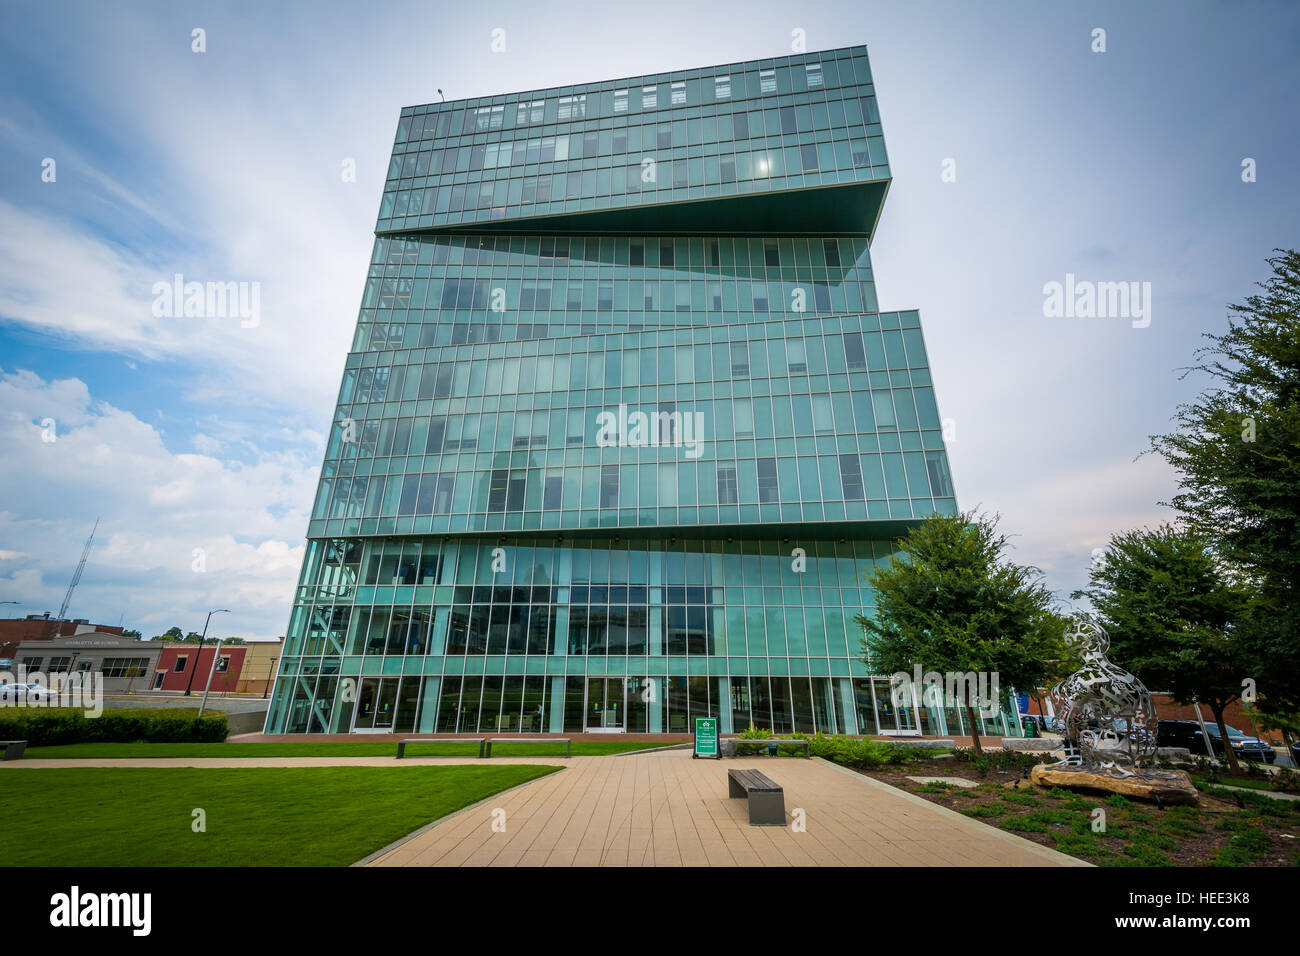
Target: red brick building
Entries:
(178, 662)
(39, 627)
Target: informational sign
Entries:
(706, 738)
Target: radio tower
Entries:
(67, 598)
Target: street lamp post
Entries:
(270, 675)
(220, 610)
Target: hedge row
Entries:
(43, 727)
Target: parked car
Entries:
(27, 691)
(1187, 733)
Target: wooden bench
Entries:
(568, 745)
(766, 798)
(13, 748)
(401, 744)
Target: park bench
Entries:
(13, 748)
(568, 745)
(401, 744)
(763, 745)
(766, 798)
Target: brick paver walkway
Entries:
(666, 809)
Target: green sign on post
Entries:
(706, 738)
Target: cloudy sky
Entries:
(197, 442)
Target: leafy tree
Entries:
(953, 603)
(171, 634)
(1237, 448)
(1173, 611)
(131, 632)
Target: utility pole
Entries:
(216, 655)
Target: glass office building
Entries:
(622, 428)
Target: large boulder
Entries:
(1171, 786)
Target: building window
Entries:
(728, 490)
(940, 478)
(771, 254)
(743, 417)
(854, 355)
(124, 666)
(179, 666)
(649, 98)
(851, 477)
(767, 486)
(529, 112)
(223, 664)
(678, 94)
(489, 117)
(554, 489)
(814, 71)
(59, 665)
(832, 250)
(796, 356)
(739, 358)
(767, 81)
(620, 101)
(33, 663)
(497, 490)
(809, 151)
(609, 486)
(573, 107)
(665, 253)
(722, 87)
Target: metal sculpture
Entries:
(1108, 715)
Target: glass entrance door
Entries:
(376, 705)
(605, 706)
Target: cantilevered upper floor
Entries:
(790, 145)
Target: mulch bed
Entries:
(1219, 831)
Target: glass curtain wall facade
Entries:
(622, 427)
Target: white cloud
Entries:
(156, 508)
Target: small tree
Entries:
(952, 602)
(1172, 614)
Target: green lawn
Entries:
(273, 816)
(442, 748)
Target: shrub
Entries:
(752, 733)
(46, 727)
(1007, 761)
